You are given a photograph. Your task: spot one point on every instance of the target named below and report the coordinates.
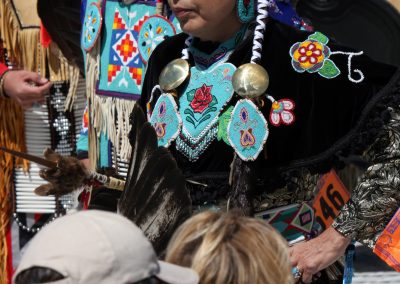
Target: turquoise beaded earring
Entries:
(246, 10)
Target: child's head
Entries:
(229, 248)
(207, 19)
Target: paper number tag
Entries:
(330, 199)
(388, 244)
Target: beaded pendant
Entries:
(152, 32)
(247, 130)
(91, 27)
(206, 95)
(166, 120)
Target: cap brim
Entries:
(174, 274)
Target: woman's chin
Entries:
(187, 28)
(192, 28)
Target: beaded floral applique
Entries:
(281, 112)
(313, 55)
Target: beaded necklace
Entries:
(194, 125)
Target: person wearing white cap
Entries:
(96, 247)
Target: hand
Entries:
(25, 87)
(312, 256)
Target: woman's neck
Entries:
(222, 34)
(206, 53)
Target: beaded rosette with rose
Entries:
(206, 95)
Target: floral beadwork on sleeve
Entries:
(313, 55)
(376, 197)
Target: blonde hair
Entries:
(227, 248)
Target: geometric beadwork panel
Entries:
(121, 66)
(62, 124)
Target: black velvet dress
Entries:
(339, 122)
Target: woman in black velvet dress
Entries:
(327, 107)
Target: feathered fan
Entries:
(243, 183)
(155, 196)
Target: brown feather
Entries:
(155, 196)
(68, 176)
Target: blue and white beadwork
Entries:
(247, 130)
(91, 27)
(152, 32)
(166, 120)
(200, 105)
(246, 10)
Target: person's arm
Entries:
(377, 196)
(312, 256)
(373, 202)
(24, 87)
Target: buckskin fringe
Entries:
(111, 117)
(24, 48)
(25, 51)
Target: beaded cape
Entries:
(333, 115)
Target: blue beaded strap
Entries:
(348, 269)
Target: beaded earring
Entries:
(246, 10)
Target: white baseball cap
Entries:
(99, 247)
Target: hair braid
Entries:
(262, 15)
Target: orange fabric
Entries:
(45, 38)
(388, 245)
(332, 195)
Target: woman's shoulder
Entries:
(315, 53)
(337, 92)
